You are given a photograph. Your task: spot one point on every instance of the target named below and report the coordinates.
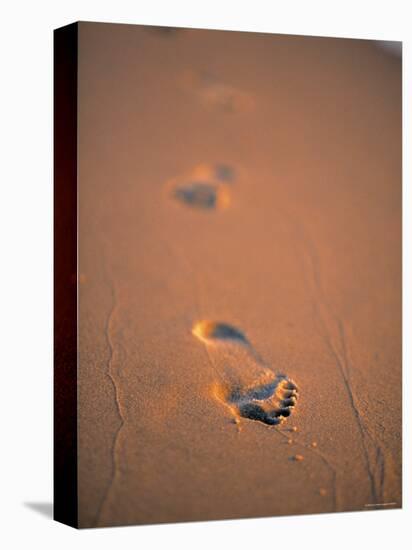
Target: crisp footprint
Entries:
(205, 187)
(246, 385)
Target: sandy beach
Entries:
(239, 275)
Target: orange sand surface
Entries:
(239, 233)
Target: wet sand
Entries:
(239, 275)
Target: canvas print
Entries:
(227, 275)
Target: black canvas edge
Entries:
(65, 65)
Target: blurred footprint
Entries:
(204, 187)
(215, 93)
(247, 386)
(163, 31)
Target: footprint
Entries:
(204, 187)
(217, 94)
(163, 31)
(247, 386)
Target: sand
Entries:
(251, 183)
